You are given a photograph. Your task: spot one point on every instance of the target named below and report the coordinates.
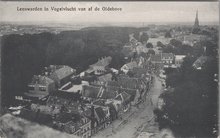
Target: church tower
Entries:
(196, 24)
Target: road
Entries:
(134, 121)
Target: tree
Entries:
(149, 45)
(151, 52)
(160, 44)
(144, 37)
(190, 110)
(168, 34)
(175, 43)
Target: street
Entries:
(135, 120)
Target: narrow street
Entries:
(135, 120)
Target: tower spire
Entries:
(196, 24)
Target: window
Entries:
(42, 88)
(31, 87)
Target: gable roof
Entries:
(105, 77)
(108, 93)
(167, 55)
(200, 62)
(126, 82)
(131, 65)
(103, 62)
(62, 73)
(131, 92)
(90, 91)
(41, 80)
(112, 84)
(124, 97)
(99, 102)
(100, 113)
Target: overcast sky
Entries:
(131, 12)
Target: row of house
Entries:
(167, 59)
(52, 79)
(94, 105)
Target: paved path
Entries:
(134, 121)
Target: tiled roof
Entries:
(112, 84)
(108, 93)
(131, 92)
(90, 91)
(131, 65)
(200, 62)
(62, 73)
(126, 82)
(105, 78)
(103, 62)
(126, 96)
(42, 80)
(100, 113)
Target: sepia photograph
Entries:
(109, 69)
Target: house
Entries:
(40, 87)
(102, 79)
(191, 39)
(129, 66)
(127, 82)
(102, 118)
(199, 63)
(108, 93)
(101, 66)
(75, 124)
(125, 100)
(167, 58)
(179, 60)
(108, 107)
(112, 84)
(60, 74)
(91, 92)
(163, 40)
(134, 94)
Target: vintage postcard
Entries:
(138, 69)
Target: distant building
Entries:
(199, 63)
(196, 28)
(179, 60)
(163, 40)
(101, 66)
(191, 39)
(91, 92)
(40, 86)
(129, 66)
(60, 74)
(167, 59)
